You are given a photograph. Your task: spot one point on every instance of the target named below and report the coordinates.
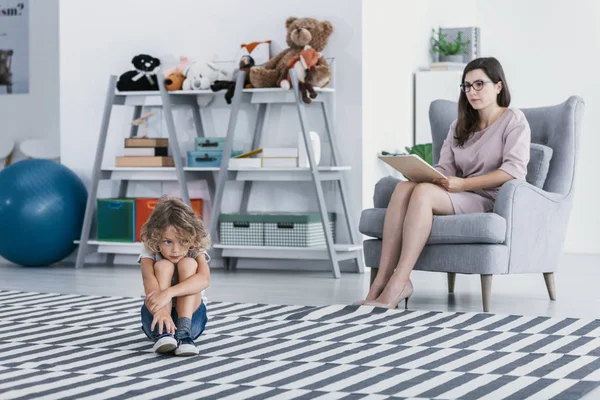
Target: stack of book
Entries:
(447, 66)
(145, 152)
(268, 157)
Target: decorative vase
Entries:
(315, 141)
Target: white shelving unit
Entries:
(217, 177)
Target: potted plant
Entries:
(449, 51)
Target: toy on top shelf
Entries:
(300, 32)
(305, 66)
(200, 75)
(174, 76)
(246, 62)
(143, 77)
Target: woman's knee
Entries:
(404, 188)
(423, 192)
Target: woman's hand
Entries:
(157, 300)
(452, 184)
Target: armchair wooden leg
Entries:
(451, 281)
(486, 291)
(549, 278)
(373, 275)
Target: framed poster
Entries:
(14, 47)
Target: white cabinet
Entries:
(430, 86)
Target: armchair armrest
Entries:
(384, 190)
(536, 224)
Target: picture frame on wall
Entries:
(471, 34)
(14, 47)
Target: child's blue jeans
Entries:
(199, 319)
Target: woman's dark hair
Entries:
(468, 117)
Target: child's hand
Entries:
(163, 318)
(157, 300)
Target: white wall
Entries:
(547, 48)
(35, 114)
(396, 43)
(549, 53)
(96, 41)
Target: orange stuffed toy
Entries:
(304, 63)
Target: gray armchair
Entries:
(525, 232)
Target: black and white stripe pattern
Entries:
(55, 346)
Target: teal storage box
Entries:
(207, 159)
(241, 229)
(209, 144)
(204, 159)
(116, 220)
(296, 229)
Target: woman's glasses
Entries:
(477, 85)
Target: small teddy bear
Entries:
(143, 77)
(174, 76)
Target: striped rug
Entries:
(56, 346)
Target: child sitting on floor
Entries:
(174, 265)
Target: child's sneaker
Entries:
(165, 344)
(186, 347)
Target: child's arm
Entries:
(195, 283)
(150, 282)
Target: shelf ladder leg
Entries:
(256, 138)
(96, 172)
(360, 266)
(173, 142)
(315, 175)
(224, 173)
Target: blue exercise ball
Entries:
(42, 204)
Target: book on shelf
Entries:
(141, 161)
(447, 66)
(237, 163)
(146, 142)
(145, 151)
(279, 152)
(280, 162)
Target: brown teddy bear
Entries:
(174, 81)
(300, 32)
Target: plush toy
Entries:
(143, 77)
(300, 32)
(305, 65)
(246, 62)
(174, 81)
(200, 75)
(259, 51)
(184, 62)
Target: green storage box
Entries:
(241, 229)
(296, 229)
(116, 220)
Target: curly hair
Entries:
(171, 211)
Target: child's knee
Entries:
(164, 267)
(187, 266)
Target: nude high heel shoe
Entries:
(405, 294)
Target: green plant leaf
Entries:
(425, 151)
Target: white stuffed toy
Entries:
(200, 75)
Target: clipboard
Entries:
(413, 167)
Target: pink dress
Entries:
(502, 145)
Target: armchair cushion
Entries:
(447, 229)
(539, 163)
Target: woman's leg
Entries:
(392, 237)
(426, 200)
